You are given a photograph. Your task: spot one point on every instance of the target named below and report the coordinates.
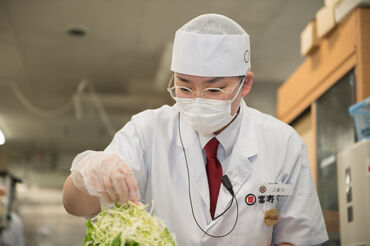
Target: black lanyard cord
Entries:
(225, 181)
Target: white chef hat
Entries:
(211, 45)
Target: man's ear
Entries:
(248, 82)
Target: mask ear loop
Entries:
(240, 87)
(172, 78)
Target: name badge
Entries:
(276, 189)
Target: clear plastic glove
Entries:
(104, 175)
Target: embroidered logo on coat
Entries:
(250, 199)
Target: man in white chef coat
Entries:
(219, 172)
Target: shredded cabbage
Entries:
(127, 225)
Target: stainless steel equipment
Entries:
(354, 194)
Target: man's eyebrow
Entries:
(208, 81)
(214, 79)
(182, 79)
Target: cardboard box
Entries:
(345, 7)
(325, 21)
(332, 3)
(309, 38)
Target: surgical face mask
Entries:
(207, 116)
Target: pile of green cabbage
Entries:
(127, 225)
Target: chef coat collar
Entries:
(244, 148)
(228, 136)
(244, 137)
(247, 143)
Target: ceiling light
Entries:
(2, 137)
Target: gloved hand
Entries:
(104, 175)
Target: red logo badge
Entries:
(262, 189)
(250, 199)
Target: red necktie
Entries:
(214, 173)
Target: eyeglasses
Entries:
(207, 93)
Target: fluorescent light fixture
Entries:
(2, 138)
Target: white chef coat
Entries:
(265, 151)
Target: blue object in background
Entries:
(361, 113)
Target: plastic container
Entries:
(361, 113)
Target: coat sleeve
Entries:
(127, 144)
(301, 220)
